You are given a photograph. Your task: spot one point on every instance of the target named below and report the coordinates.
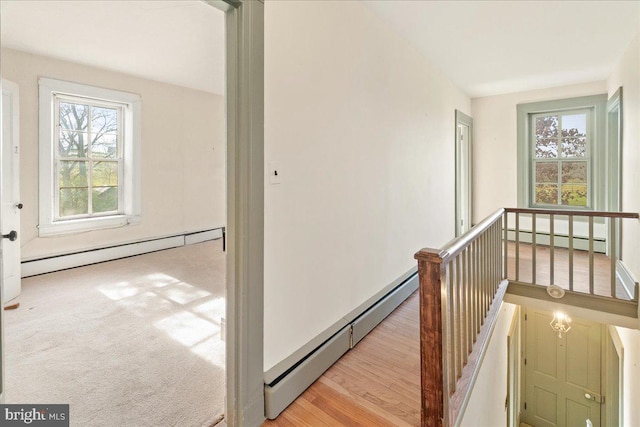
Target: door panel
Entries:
(464, 189)
(10, 196)
(560, 372)
(465, 217)
(545, 405)
(577, 361)
(578, 412)
(546, 351)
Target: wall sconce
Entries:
(561, 323)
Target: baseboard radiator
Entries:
(284, 384)
(93, 256)
(560, 240)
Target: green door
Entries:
(562, 375)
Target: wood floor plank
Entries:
(330, 398)
(322, 416)
(302, 414)
(379, 391)
(389, 411)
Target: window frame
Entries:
(129, 191)
(560, 159)
(90, 159)
(597, 155)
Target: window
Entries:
(561, 153)
(561, 158)
(89, 154)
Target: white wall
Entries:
(627, 75)
(486, 403)
(363, 128)
(183, 155)
(495, 143)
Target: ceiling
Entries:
(493, 47)
(484, 47)
(180, 42)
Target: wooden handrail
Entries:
(455, 246)
(574, 212)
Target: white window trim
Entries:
(131, 188)
(598, 153)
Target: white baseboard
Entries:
(283, 387)
(78, 259)
(624, 276)
(280, 395)
(202, 236)
(376, 314)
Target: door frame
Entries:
(514, 366)
(614, 151)
(463, 119)
(613, 355)
(245, 210)
(614, 168)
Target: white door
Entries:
(10, 195)
(562, 375)
(463, 172)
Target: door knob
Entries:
(594, 397)
(18, 205)
(12, 236)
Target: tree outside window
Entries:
(561, 161)
(89, 161)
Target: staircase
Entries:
(570, 257)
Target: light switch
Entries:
(275, 174)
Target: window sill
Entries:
(87, 224)
(568, 208)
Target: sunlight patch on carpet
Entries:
(146, 304)
(183, 293)
(187, 328)
(199, 335)
(196, 326)
(213, 310)
(119, 290)
(159, 280)
(211, 350)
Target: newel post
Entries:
(432, 276)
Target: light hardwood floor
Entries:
(601, 269)
(377, 383)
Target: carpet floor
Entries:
(131, 342)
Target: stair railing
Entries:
(610, 223)
(461, 288)
(463, 284)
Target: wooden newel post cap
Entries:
(430, 255)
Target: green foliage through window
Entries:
(561, 158)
